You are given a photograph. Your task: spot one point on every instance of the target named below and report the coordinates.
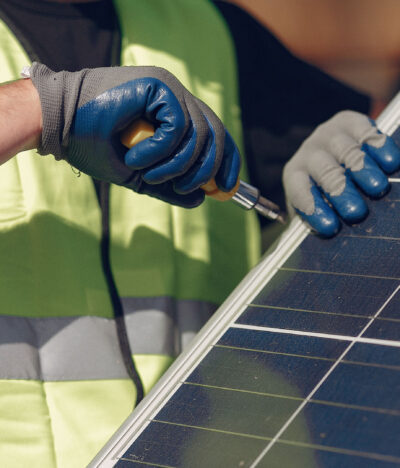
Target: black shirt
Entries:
(72, 35)
(282, 98)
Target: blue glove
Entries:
(85, 112)
(343, 155)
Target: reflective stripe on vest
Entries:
(84, 348)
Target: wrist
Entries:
(32, 114)
(20, 118)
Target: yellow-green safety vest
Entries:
(63, 386)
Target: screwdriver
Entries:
(243, 194)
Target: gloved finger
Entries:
(330, 176)
(187, 152)
(162, 107)
(349, 204)
(386, 154)
(166, 192)
(371, 179)
(208, 162)
(322, 218)
(228, 173)
(346, 150)
(178, 164)
(307, 200)
(353, 132)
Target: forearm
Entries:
(20, 118)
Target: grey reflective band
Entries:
(172, 323)
(86, 348)
(50, 349)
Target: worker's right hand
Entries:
(343, 157)
(85, 112)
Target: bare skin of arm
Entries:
(20, 118)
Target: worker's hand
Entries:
(85, 112)
(343, 157)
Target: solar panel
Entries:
(300, 367)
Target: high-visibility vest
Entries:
(63, 386)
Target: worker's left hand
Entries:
(343, 157)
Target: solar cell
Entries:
(300, 367)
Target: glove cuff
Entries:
(59, 96)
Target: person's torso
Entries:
(63, 385)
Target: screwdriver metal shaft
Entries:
(249, 197)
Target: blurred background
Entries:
(357, 41)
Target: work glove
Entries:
(343, 157)
(84, 113)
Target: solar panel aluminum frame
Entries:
(388, 122)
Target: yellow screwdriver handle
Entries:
(142, 129)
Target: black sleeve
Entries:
(282, 99)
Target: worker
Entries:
(101, 257)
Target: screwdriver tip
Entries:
(270, 210)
